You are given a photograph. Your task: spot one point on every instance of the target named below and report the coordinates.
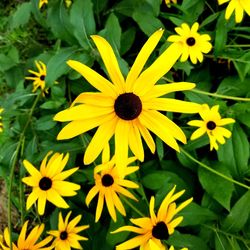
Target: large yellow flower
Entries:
(212, 124)
(239, 6)
(109, 184)
(67, 234)
(153, 229)
(29, 242)
(1, 124)
(192, 43)
(48, 183)
(42, 2)
(127, 108)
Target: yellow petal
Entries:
(41, 203)
(99, 207)
(56, 199)
(198, 133)
(118, 204)
(151, 210)
(32, 170)
(91, 194)
(31, 199)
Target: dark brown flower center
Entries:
(211, 125)
(63, 235)
(45, 183)
(160, 231)
(42, 77)
(128, 106)
(107, 180)
(190, 41)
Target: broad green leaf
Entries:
(155, 6)
(192, 9)
(242, 65)
(159, 148)
(221, 241)
(6, 62)
(127, 39)
(209, 19)
(127, 7)
(53, 104)
(45, 123)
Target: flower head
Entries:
(39, 78)
(48, 183)
(110, 183)
(239, 6)
(1, 124)
(192, 44)
(127, 109)
(67, 234)
(29, 242)
(212, 124)
(42, 2)
(168, 2)
(155, 228)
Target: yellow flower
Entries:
(239, 6)
(212, 124)
(1, 124)
(127, 109)
(153, 229)
(110, 183)
(172, 248)
(39, 78)
(67, 234)
(48, 183)
(192, 44)
(29, 242)
(168, 2)
(68, 3)
(42, 2)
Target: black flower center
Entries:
(190, 41)
(107, 180)
(45, 183)
(128, 106)
(211, 125)
(63, 235)
(42, 77)
(160, 231)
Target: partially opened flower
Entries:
(168, 2)
(237, 6)
(48, 183)
(39, 77)
(155, 228)
(127, 109)
(29, 242)
(42, 2)
(212, 124)
(110, 184)
(192, 44)
(1, 124)
(67, 237)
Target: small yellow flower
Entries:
(42, 2)
(1, 124)
(67, 234)
(168, 2)
(68, 3)
(48, 183)
(239, 6)
(29, 242)
(39, 78)
(153, 229)
(212, 124)
(193, 44)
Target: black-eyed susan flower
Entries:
(155, 228)
(39, 77)
(192, 43)
(168, 2)
(48, 183)
(212, 124)
(237, 6)
(29, 242)
(67, 237)
(42, 2)
(127, 109)
(1, 124)
(110, 183)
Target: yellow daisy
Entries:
(67, 234)
(127, 109)
(39, 78)
(168, 2)
(48, 183)
(29, 242)
(239, 6)
(192, 44)
(212, 124)
(153, 229)
(42, 2)
(109, 184)
(1, 124)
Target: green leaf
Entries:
(209, 19)
(6, 62)
(127, 7)
(220, 189)
(155, 4)
(238, 215)
(192, 9)
(221, 242)
(45, 123)
(127, 39)
(242, 65)
(53, 104)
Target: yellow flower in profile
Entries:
(168, 2)
(239, 6)
(29, 242)
(110, 183)
(1, 124)
(153, 229)
(212, 124)
(39, 78)
(127, 109)
(48, 183)
(192, 43)
(67, 234)
(42, 2)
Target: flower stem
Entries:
(132, 206)
(221, 96)
(213, 170)
(14, 163)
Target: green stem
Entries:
(221, 96)
(13, 165)
(213, 170)
(132, 206)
